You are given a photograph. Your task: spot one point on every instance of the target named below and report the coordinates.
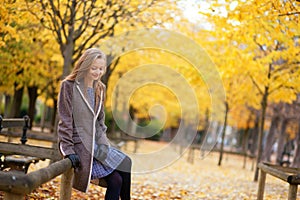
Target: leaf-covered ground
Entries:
(182, 180)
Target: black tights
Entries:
(119, 182)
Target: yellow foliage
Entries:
(162, 90)
(255, 47)
(252, 43)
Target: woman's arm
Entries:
(65, 125)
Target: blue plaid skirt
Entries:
(112, 161)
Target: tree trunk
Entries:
(296, 160)
(111, 65)
(1, 106)
(43, 116)
(15, 108)
(54, 116)
(54, 124)
(204, 134)
(223, 134)
(271, 139)
(7, 105)
(245, 145)
(281, 140)
(264, 104)
(67, 52)
(252, 142)
(32, 93)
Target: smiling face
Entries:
(96, 71)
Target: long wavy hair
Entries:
(82, 67)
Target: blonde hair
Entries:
(84, 63)
(82, 67)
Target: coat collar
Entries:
(80, 88)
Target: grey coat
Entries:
(77, 129)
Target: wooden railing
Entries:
(18, 127)
(287, 174)
(15, 184)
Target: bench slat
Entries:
(20, 163)
(31, 135)
(21, 160)
(29, 150)
(9, 123)
(285, 169)
(292, 179)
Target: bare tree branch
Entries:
(71, 19)
(290, 13)
(61, 27)
(256, 85)
(37, 17)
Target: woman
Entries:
(82, 132)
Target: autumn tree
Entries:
(276, 59)
(10, 47)
(26, 65)
(296, 160)
(273, 65)
(78, 25)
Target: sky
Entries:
(193, 8)
(192, 11)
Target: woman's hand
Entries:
(75, 160)
(101, 152)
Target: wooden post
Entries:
(292, 192)
(261, 185)
(66, 184)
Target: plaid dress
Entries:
(114, 156)
(113, 160)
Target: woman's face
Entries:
(96, 70)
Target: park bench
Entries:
(287, 174)
(13, 162)
(15, 182)
(19, 156)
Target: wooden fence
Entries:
(16, 185)
(287, 174)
